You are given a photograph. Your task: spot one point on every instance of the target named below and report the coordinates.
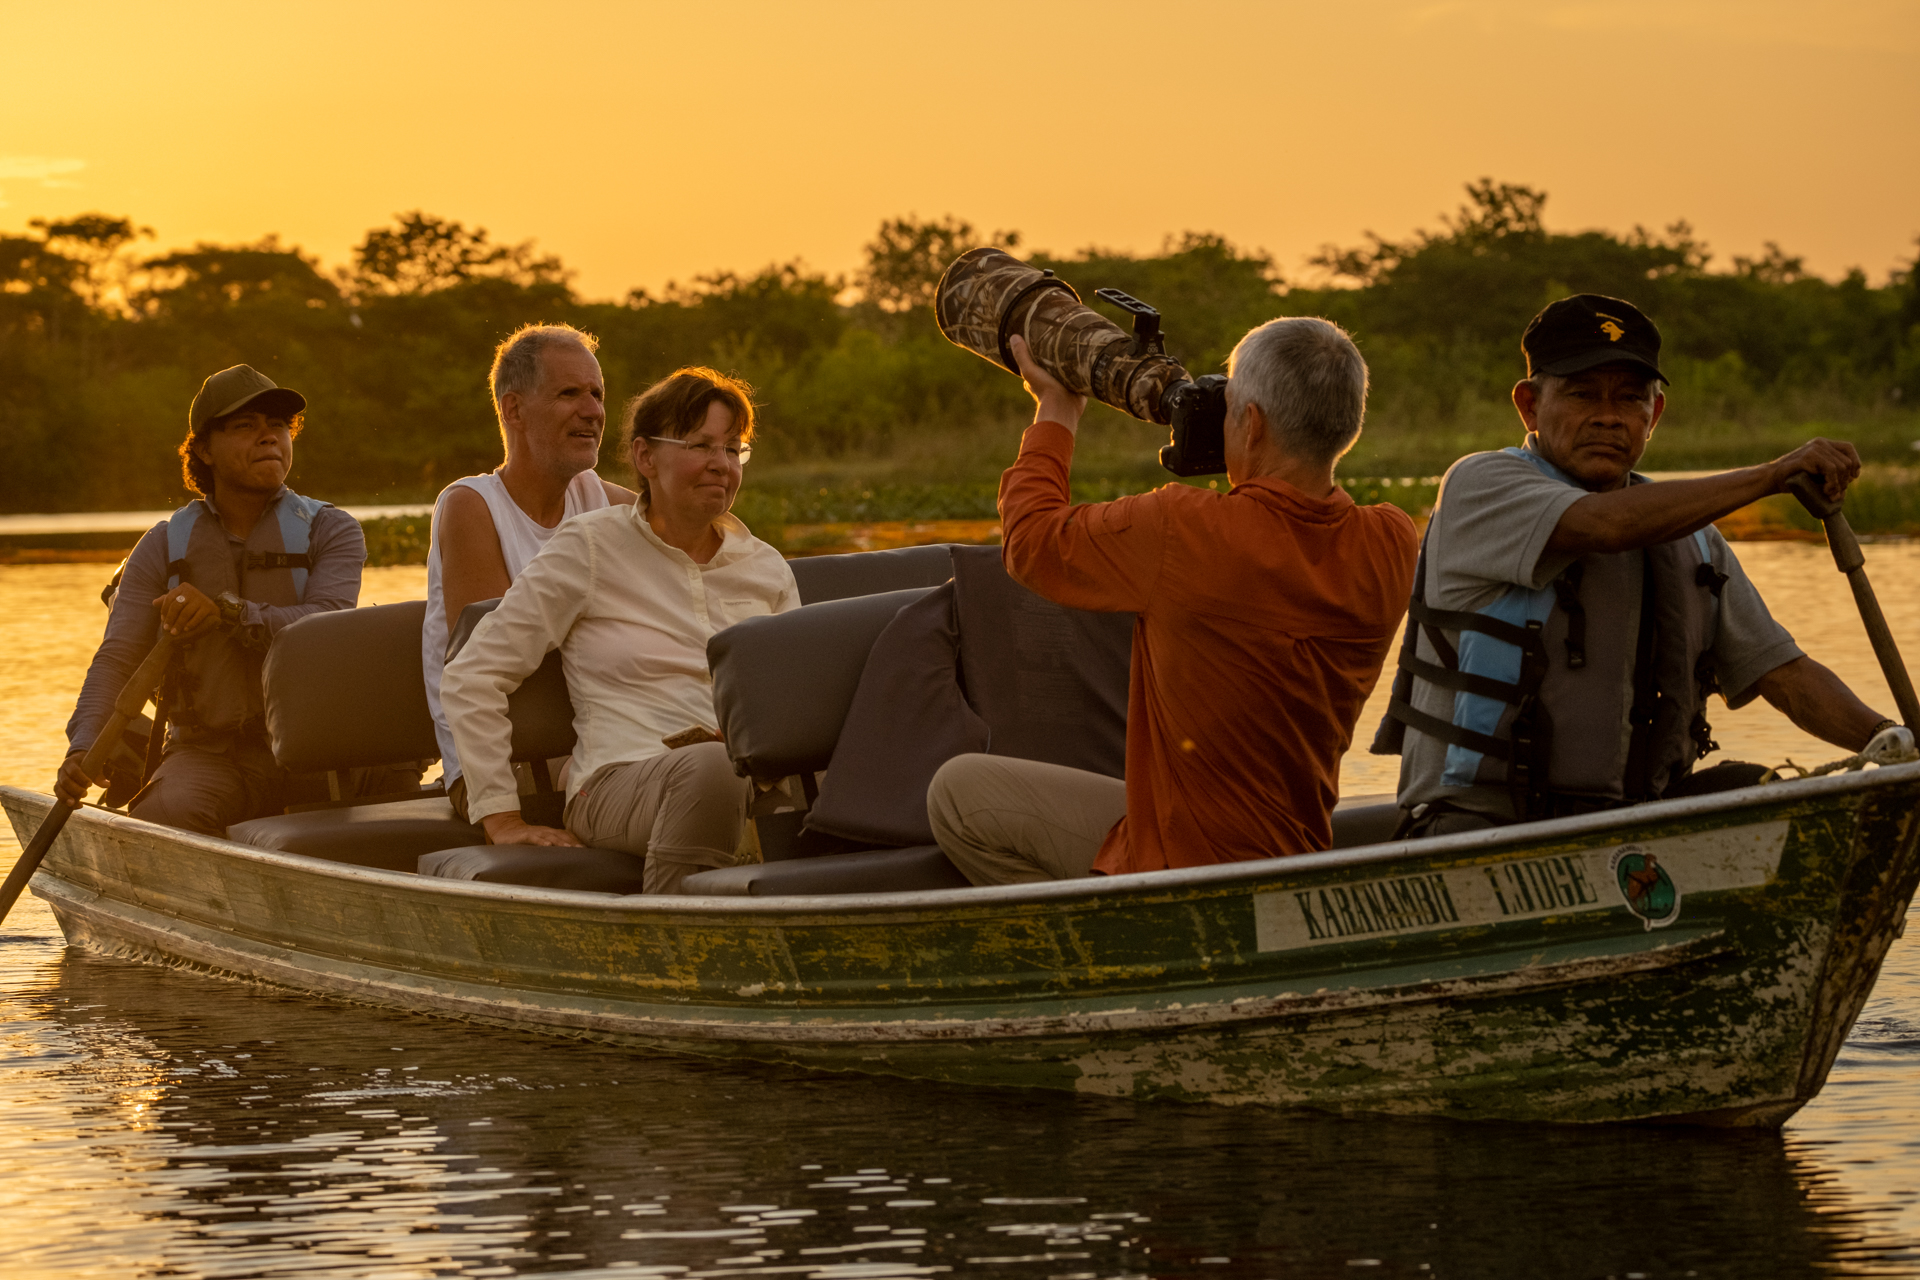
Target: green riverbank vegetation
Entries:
(868, 413)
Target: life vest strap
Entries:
(1453, 620)
(1566, 593)
(179, 533)
(1447, 731)
(1462, 681)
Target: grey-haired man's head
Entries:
(1309, 381)
(550, 397)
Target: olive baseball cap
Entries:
(1588, 330)
(241, 387)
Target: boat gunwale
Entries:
(202, 948)
(1130, 885)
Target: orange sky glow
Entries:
(648, 142)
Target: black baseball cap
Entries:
(1588, 330)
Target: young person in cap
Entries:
(1569, 618)
(1264, 614)
(223, 575)
(551, 402)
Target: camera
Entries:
(986, 296)
(1197, 445)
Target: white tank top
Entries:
(521, 538)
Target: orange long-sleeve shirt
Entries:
(1265, 616)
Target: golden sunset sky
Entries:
(644, 142)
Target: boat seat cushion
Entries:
(344, 690)
(871, 871)
(782, 683)
(1041, 682)
(907, 719)
(540, 710)
(1364, 824)
(866, 573)
(391, 836)
(1050, 682)
(541, 867)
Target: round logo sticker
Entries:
(1644, 884)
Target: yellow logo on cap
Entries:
(1611, 328)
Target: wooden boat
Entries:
(1697, 960)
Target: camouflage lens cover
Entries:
(987, 295)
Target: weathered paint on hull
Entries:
(1494, 975)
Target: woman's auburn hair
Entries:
(196, 475)
(676, 406)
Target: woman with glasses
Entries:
(630, 596)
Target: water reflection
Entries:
(166, 1124)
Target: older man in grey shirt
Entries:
(1569, 619)
(223, 576)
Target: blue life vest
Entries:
(1619, 719)
(294, 514)
(213, 688)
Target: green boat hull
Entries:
(1697, 960)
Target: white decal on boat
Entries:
(1646, 877)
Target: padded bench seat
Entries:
(920, 868)
(540, 867)
(390, 836)
(1355, 825)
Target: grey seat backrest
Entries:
(782, 683)
(541, 709)
(344, 690)
(866, 573)
(908, 717)
(1051, 682)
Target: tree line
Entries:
(102, 344)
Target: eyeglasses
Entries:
(731, 451)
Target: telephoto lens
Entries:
(987, 296)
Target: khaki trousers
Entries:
(209, 788)
(1007, 821)
(682, 811)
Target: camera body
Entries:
(1197, 413)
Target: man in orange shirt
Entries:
(1264, 616)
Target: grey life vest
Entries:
(213, 687)
(1570, 691)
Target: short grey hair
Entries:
(1308, 378)
(516, 362)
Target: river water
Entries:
(163, 1123)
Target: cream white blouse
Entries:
(631, 617)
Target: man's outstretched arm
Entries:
(1643, 515)
(1819, 702)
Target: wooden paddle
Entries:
(145, 679)
(1852, 562)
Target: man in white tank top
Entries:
(551, 401)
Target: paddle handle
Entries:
(145, 679)
(1852, 561)
(1885, 649)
